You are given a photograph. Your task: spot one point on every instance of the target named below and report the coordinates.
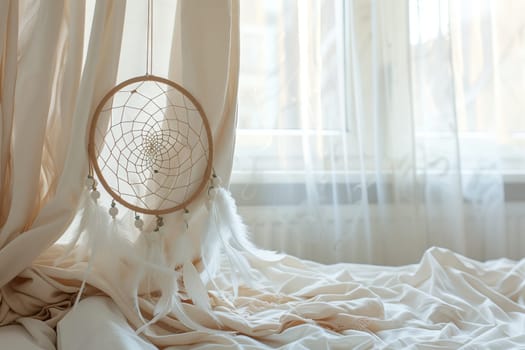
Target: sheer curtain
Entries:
(372, 130)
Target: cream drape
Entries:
(49, 89)
(44, 121)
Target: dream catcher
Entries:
(150, 144)
(150, 148)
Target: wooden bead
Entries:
(95, 194)
(113, 211)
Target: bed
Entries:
(446, 301)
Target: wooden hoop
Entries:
(93, 156)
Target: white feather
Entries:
(239, 266)
(182, 249)
(93, 228)
(239, 232)
(163, 279)
(194, 286)
(210, 249)
(152, 258)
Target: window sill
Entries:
(289, 188)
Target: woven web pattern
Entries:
(151, 145)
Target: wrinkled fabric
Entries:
(27, 334)
(97, 323)
(446, 301)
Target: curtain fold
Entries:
(31, 118)
(36, 220)
(201, 72)
(48, 151)
(9, 34)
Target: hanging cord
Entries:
(149, 44)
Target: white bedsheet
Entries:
(445, 302)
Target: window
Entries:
(292, 86)
(323, 85)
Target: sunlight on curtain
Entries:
(369, 131)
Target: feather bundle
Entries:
(227, 231)
(159, 263)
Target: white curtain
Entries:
(371, 130)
